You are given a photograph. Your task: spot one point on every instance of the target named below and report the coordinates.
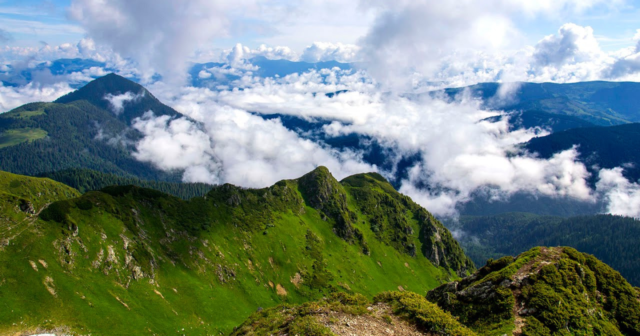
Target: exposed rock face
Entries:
(544, 291)
(27, 207)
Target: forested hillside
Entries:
(86, 180)
(599, 147)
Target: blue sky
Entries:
(30, 23)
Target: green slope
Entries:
(545, 291)
(13, 137)
(134, 261)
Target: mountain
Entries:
(388, 313)
(547, 121)
(85, 180)
(97, 92)
(600, 103)
(612, 239)
(545, 291)
(599, 147)
(81, 130)
(129, 260)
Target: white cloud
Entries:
(12, 97)
(159, 35)
(233, 145)
(572, 44)
(622, 196)
(414, 37)
(323, 51)
(117, 102)
(459, 153)
(177, 144)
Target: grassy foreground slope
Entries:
(545, 291)
(127, 260)
(389, 313)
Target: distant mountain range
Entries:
(260, 66)
(599, 147)
(600, 103)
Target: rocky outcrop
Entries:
(27, 207)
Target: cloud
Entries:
(460, 154)
(323, 51)
(622, 196)
(12, 97)
(159, 35)
(414, 37)
(117, 102)
(177, 144)
(572, 44)
(232, 145)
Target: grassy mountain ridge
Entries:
(128, 260)
(22, 198)
(545, 291)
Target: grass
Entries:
(25, 114)
(16, 136)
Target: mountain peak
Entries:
(324, 193)
(96, 90)
(127, 99)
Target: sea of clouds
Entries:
(411, 47)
